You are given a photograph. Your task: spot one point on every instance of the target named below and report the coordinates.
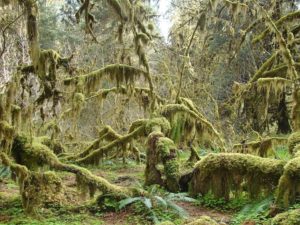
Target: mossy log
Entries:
(226, 172)
(293, 141)
(289, 183)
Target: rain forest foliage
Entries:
(99, 113)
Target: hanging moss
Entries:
(291, 217)
(288, 17)
(224, 173)
(35, 155)
(16, 115)
(6, 130)
(35, 188)
(188, 122)
(119, 73)
(94, 156)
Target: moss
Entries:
(162, 150)
(16, 115)
(291, 217)
(35, 188)
(262, 148)
(224, 173)
(161, 122)
(6, 130)
(188, 122)
(296, 110)
(116, 72)
(35, 154)
(40, 188)
(166, 223)
(264, 67)
(94, 156)
(278, 23)
(289, 183)
(52, 126)
(203, 220)
(294, 139)
(54, 145)
(32, 154)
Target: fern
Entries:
(252, 211)
(4, 172)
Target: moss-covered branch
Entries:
(286, 18)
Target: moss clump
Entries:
(294, 139)
(40, 188)
(35, 188)
(291, 217)
(289, 183)
(54, 145)
(6, 130)
(262, 148)
(203, 220)
(32, 154)
(7, 133)
(162, 150)
(225, 173)
(160, 122)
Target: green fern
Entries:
(159, 200)
(254, 211)
(4, 172)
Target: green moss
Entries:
(6, 130)
(296, 110)
(291, 217)
(161, 122)
(289, 183)
(262, 148)
(203, 220)
(225, 173)
(293, 140)
(162, 150)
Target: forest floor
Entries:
(76, 209)
(130, 174)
